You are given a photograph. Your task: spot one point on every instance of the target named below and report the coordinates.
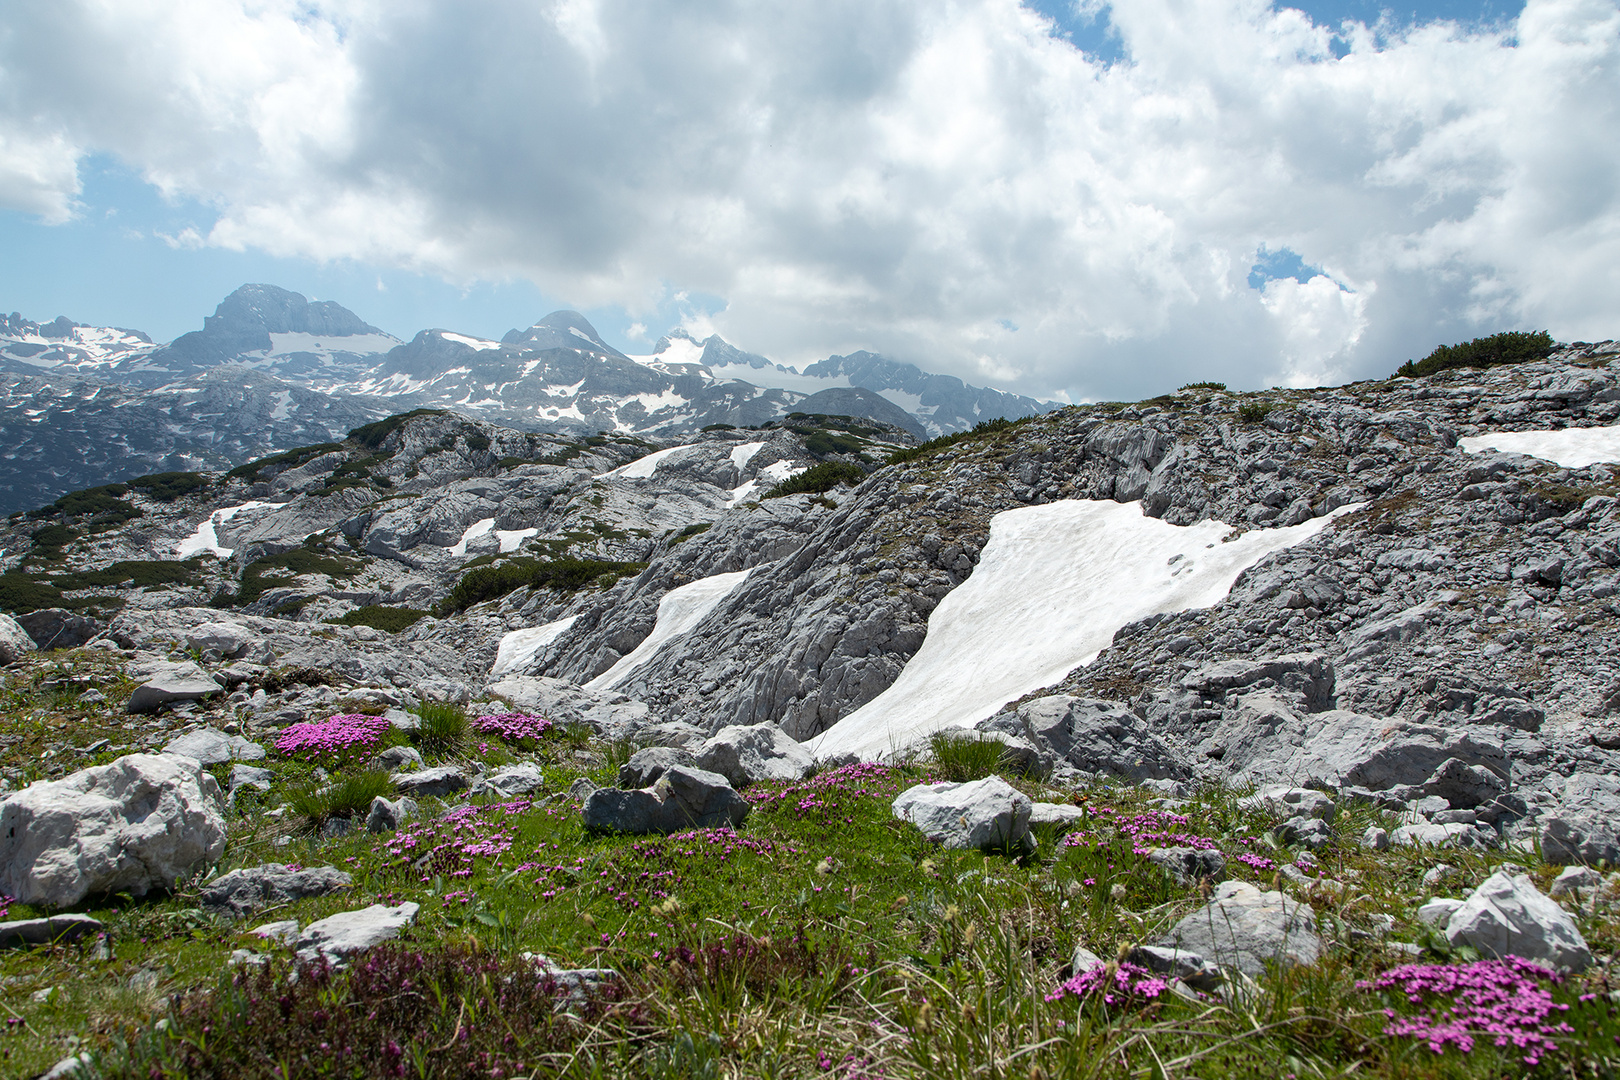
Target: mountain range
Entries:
(271, 370)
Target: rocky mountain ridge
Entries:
(332, 370)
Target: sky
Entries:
(1076, 201)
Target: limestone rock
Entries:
(977, 814)
(646, 766)
(1189, 865)
(1507, 915)
(171, 683)
(1100, 737)
(213, 747)
(59, 628)
(340, 936)
(745, 755)
(1049, 813)
(14, 641)
(138, 824)
(1286, 802)
(681, 798)
(1438, 911)
(250, 776)
(1586, 826)
(425, 783)
(387, 815)
(1573, 881)
(509, 782)
(62, 929)
(1245, 928)
(242, 891)
(1189, 967)
(398, 759)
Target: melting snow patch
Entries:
(778, 471)
(511, 538)
(678, 612)
(476, 529)
(742, 455)
(1053, 585)
(742, 494)
(521, 646)
(1573, 448)
(471, 342)
(207, 539)
(644, 467)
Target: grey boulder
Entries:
(1245, 928)
(398, 759)
(1188, 865)
(746, 755)
(681, 798)
(1282, 801)
(170, 684)
(1190, 968)
(509, 782)
(646, 766)
(1586, 826)
(242, 891)
(59, 628)
(1099, 736)
(57, 929)
(424, 783)
(340, 936)
(137, 824)
(388, 815)
(251, 776)
(14, 641)
(1508, 916)
(213, 747)
(977, 814)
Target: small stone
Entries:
(977, 814)
(251, 776)
(58, 929)
(214, 747)
(387, 816)
(1244, 928)
(1308, 832)
(1437, 874)
(438, 782)
(284, 932)
(1189, 865)
(245, 890)
(1190, 968)
(1375, 839)
(1572, 880)
(398, 759)
(1508, 915)
(339, 936)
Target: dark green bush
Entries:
(169, 486)
(140, 573)
(718, 427)
(691, 531)
(20, 593)
(272, 570)
(1205, 386)
(567, 575)
(372, 435)
(105, 502)
(287, 459)
(1511, 347)
(54, 536)
(380, 617)
(819, 478)
(1252, 412)
(349, 797)
(477, 442)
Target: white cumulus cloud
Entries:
(909, 176)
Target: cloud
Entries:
(908, 176)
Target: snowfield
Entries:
(1573, 448)
(206, 538)
(643, 467)
(678, 612)
(1052, 586)
(521, 646)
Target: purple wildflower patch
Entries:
(1502, 1000)
(343, 737)
(518, 728)
(1116, 984)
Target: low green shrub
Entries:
(54, 536)
(443, 728)
(994, 430)
(106, 503)
(819, 478)
(372, 435)
(691, 531)
(1205, 386)
(1253, 412)
(1511, 347)
(287, 459)
(566, 575)
(381, 617)
(261, 575)
(169, 486)
(140, 573)
(960, 757)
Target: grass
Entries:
(994, 431)
(443, 729)
(824, 939)
(960, 757)
(381, 617)
(1253, 412)
(349, 797)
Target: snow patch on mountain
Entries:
(519, 647)
(206, 537)
(1573, 448)
(471, 342)
(1054, 583)
(678, 612)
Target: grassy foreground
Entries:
(824, 939)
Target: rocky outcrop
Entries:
(680, 798)
(244, 891)
(139, 824)
(1245, 928)
(980, 814)
(1508, 916)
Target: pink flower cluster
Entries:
(344, 736)
(826, 793)
(1117, 984)
(513, 727)
(1502, 1000)
(453, 842)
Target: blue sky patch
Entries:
(1270, 265)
